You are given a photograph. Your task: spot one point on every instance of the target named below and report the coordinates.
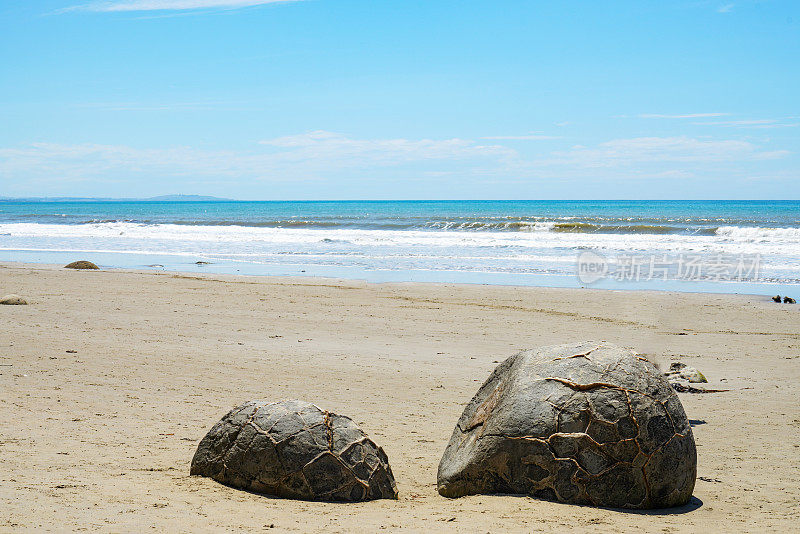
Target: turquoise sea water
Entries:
(739, 246)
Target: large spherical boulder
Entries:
(587, 423)
(82, 264)
(13, 300)
(293, 449)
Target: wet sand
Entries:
(101, 438)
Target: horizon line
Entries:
(221, 199)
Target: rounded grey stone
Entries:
(13, 300)
(588, 423)
(82, 264)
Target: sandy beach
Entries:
(109, 379)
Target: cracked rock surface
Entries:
(588, 423)
(293, 449)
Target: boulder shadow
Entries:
(693, 504)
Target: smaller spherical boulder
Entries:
(82, 264)
(13, 300)
(295, 450)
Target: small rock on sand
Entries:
(82, 264)
(682, 387)
(13, 300)
(679, 370)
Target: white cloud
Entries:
(754, 123)
(170, 5)
(532, 137)
(750, 123)
(305, 156)
(337, 149)
(684, 116)
(725, 8)
(198, 105)
(648, 150)
(323, 155)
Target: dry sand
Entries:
(101, 438)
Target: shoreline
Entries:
(310, 279)
(101, 438)
(144, 263)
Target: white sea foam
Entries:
(539, 249)
(755, 234)
(728, 239)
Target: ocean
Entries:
(712, 246)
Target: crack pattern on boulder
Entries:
(587, 423)
(293, 449)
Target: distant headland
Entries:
(162, 198)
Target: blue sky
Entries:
(327, 99)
